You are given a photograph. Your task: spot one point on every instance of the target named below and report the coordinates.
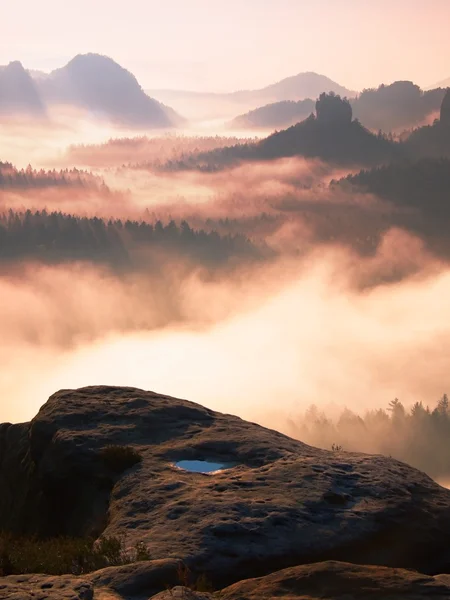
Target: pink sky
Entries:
(223, 45)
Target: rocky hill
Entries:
(398, 106)
(432, 141)
(389, 108)
(277, 503)
(331, 135)
(91, 82)
(107, 90)
(297, 87)
(18, 92)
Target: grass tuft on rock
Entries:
(197, 584)
(119, 458)
(62, 555)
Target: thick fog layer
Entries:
(260, 289)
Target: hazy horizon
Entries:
(249, 45)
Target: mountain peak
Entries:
(100, 85)
(94, 82)
(18, 92)
(97, 66)
(93, 59)
(15, 66)
(306, 85)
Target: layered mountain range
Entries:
(390, 108)
(91, 82)
(212, 105)
(106, 91)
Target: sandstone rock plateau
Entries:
(282, 504)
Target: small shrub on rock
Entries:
(187, 580)
(336, 448)
(58, 556)
(141, 552)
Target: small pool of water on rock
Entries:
(201, 466)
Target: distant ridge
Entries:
(295, 88)
(18, 91)
(445, 83)
(100, 85)
(301, 86)
(93, 82)
(389, 108)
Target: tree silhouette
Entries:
(442, 406)
(57, 237)
(420, 436)
(13, 178)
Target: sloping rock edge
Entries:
(159, 579)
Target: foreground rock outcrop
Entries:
(320, 581)
(139, 580)
(282, 504)
(45, 587)
(334, 580)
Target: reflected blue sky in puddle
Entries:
(201, 466)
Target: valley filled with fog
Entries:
(290, 267)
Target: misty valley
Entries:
(274, 264)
